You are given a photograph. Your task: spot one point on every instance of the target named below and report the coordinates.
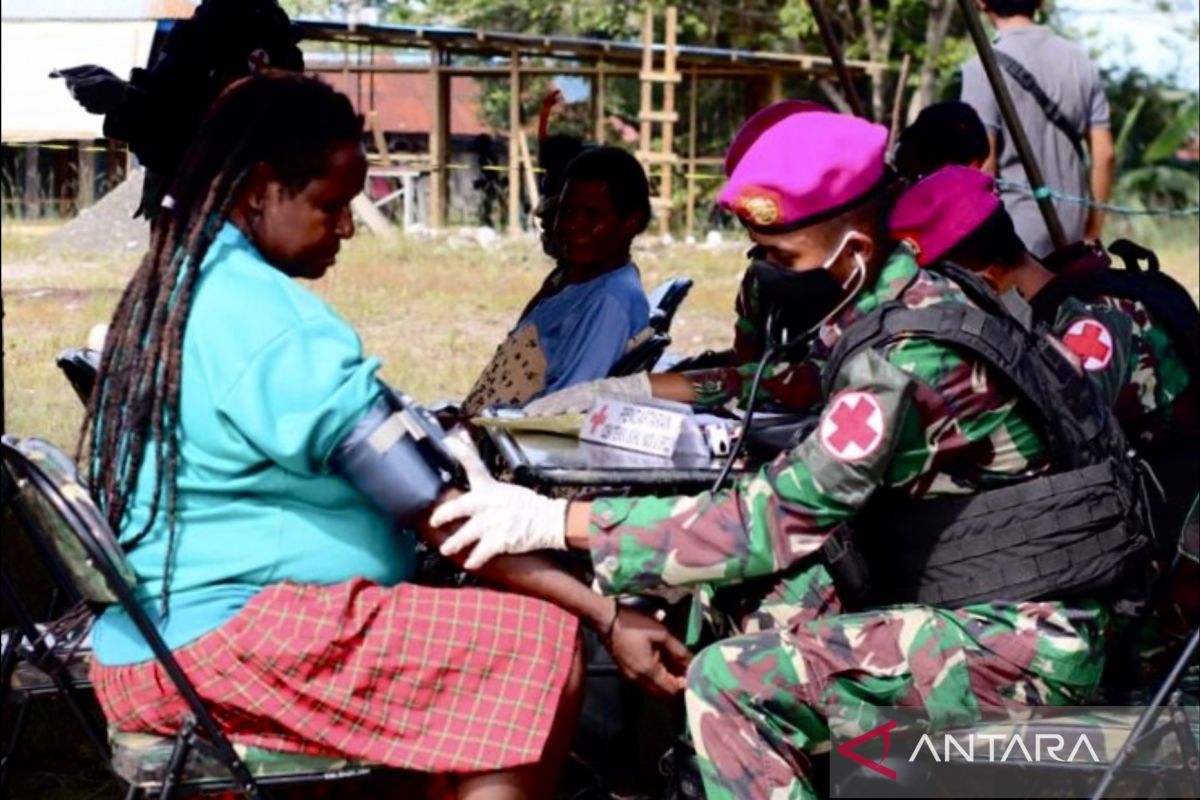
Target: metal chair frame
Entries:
(91, 531)
(45, 658)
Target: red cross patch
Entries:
(1091, 341)
(258, 60)
(852, 427)
(597, 419)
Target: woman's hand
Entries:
(500, 517)
(646, 652)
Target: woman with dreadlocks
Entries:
(227, 399)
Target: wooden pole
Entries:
(372, 79)
(358, 78)
(514, 130)
(647, 86)
(381, 148)
(836, 56)
(439, 141)
(86, 176)
(898, 101)
(775, 91)
(1012, 123)
(529, 170)
(690, 221)
(599, 101)
(33, 182)
(668, 124)
(112, 169)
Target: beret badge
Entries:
(759, 210)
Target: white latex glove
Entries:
(579, 398)
(96, 337)
(501, 517)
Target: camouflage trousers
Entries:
(759, 703)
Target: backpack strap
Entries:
(1168, 302)
(1050, 108)
(1070, 413)
(1132, 254)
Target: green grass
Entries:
(433, 309)
(1177, 242)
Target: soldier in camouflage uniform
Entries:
(954, 214)
(917, 418)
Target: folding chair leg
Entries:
(8, 663)
(55, 668)
(179, 756)
(1157, 704)
(14, 740)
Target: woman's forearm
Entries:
(536, 576)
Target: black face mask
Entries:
(792, 303)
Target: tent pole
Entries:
(1012, 123)
(839, 60)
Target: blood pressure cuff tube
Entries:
(395, 457)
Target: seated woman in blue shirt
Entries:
(592, 308)
(226, 395)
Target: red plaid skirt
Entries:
(435, 680)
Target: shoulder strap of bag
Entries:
(1050, 108)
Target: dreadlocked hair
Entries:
(286, 121)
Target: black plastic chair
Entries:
(80, 365)
(665, 300)
(200, 757)
(642, 356)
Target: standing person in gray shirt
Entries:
(1060, 101)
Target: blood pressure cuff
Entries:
(396, 457)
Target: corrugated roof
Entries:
(96, 9)
(404, 101)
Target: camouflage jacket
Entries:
(1149, 403)
(1103, 342)
(1157, 398)
(916, 417)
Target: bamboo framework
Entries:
(660, 67)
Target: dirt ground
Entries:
(432, 308)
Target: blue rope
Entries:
(1046, 191)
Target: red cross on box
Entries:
(598, 419)
(1091, 341)
(853, 426)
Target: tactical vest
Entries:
(1175, 459)
(1076, 531)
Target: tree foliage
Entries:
(1153, 118)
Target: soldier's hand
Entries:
(500, 517)
(95, 88)
(647, 653)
